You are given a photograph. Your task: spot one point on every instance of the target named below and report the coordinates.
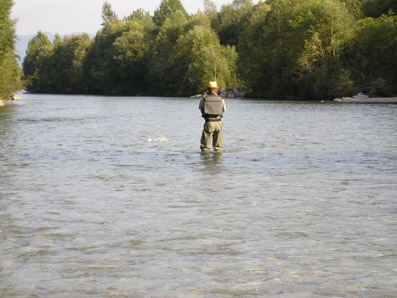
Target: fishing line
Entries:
(188, 69)
(184, 79)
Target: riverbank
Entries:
(3, 102)
(362, 98)
(240, 93)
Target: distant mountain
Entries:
(22, 42)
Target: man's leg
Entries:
(217, 138)
(206, 137)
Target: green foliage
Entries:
(298, 44)
(231, 19)
(100, 73)
(108, 14)
(9, 70)
(139, 14)
(310, 49)
(210, 8)
(372, 55)
(354, 7)
(55, 67)
(201, 54)
(251, 49)
(319, 65)
(166, 9)
(375, 8)
(165, 71)
(67, 64)
(36, 66)
(185, 56)
(131, 56)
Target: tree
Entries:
(231, 19)
(209, 7)
(138, 14)
(372, 56)
(321, 72)
(354, 7)
(35, 65)
(204, 59)
(166, 9)
(296, 47)
(67, 64)
(251, 48)
(108, 14)
(100, 73)
(185, 56)
(131, 55)
(9, 70)
(164, 69)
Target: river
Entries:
(110, 197)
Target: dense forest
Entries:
(9, 70)
(301, 49)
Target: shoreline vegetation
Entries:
(10, 72)
(278, 49)
(362, 98)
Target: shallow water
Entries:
(110, 197)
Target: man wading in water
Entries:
(212, 108)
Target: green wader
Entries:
(212, 129)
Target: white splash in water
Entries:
(159, 140)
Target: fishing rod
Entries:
(187, 72)
(184, 79)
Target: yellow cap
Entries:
(213, 85)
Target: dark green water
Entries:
(110, 197)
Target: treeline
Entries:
(309, 49)
(9, 70)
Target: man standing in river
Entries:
(212, 108)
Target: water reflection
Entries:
(212, 159)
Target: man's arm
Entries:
(201, 105)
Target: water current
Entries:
(110, 197)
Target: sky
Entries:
(75, 16)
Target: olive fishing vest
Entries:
(213, 108)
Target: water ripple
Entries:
(301, 203)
